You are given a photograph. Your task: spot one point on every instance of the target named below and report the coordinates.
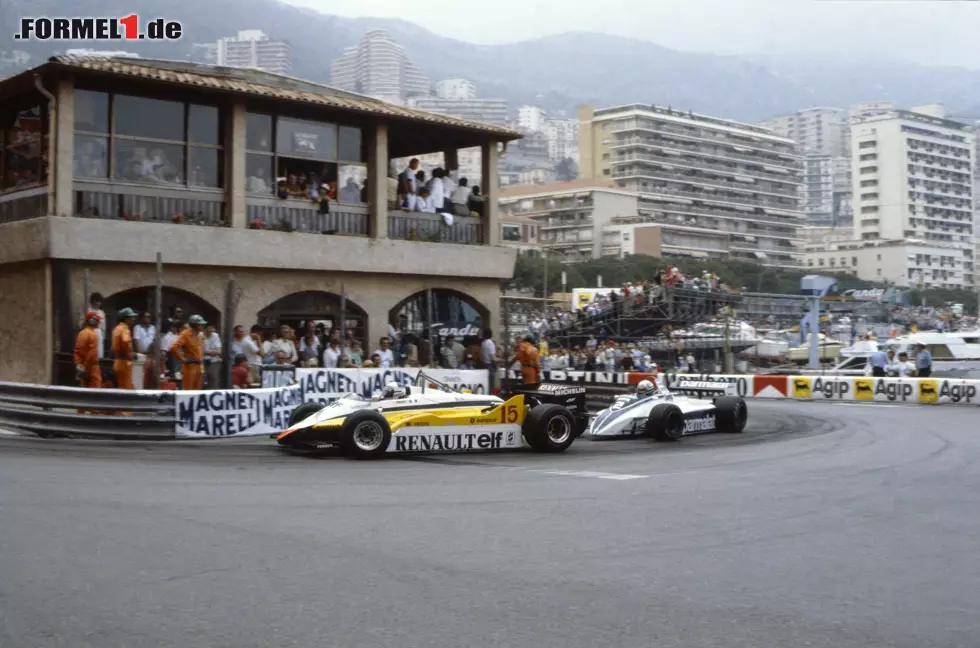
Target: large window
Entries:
(306, 160)
(144, 140)
(23, 148)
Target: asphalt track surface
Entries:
(823, 525)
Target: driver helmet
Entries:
(393, 390)
(646, 387)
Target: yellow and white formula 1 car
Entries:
(428, 417)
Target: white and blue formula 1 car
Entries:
(669, 415)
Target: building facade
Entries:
(562, 137)
(907, 264)
(913, 179)
(455, 89)
(815, 130)
(697, 171)
(112, 162)
(253, 49)
(378, 67)
(531, 118)
(571, 216)
(490, 111)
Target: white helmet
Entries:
(393, 390)
(645, 387)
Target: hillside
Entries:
(557, 72)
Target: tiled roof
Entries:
(266, 84)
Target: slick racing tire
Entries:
(732, 414)
(666, 422)
(303, 412)
(549, 428)
(366, 435)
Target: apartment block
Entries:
(696, 171)
(253, 49)
(913, 179)
(378, 67)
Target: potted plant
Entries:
(257, 224)
(177, 219)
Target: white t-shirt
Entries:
(144, 336)
(904, 368)
(331, 357)
(437, 193)
(168, 341)
(425, 205)
(489, 352)
(387, 358)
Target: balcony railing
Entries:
(697, 163)
(23, 205)
(703, 151)
(417, 226)
(757, 188)
(152, 204)
(295, 215)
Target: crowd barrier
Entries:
(114, 413)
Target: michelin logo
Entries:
(703, 424)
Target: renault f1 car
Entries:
(669, 415)
(429, 417)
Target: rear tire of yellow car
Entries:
(549, 428)
(366, 435)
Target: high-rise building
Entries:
(815, 130)
(562, 138)
(531, 118)
(913, 180)
(379, 67)
(695, 171)
(251, 48)
(491, 111)
(826, 190)
(455, 89)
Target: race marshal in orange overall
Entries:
(87, 370)
(527, 355)
(189, 349)
(122, 349)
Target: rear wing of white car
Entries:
(699, 388)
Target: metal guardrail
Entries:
(96, 413)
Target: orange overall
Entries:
(122, 353)
(527, 355)
(189, 349)
(87, 355)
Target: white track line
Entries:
(590, 474)
(10, 433)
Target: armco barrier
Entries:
(114, 413)
(111, 413)
(602, 387)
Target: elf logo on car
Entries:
(703, 424)
(442, 442)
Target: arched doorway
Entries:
(452, 311)
(314, 305)
(176, 302)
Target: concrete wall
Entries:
(26, 345)
(377, 294)
(96, 240)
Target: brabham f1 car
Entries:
(430, 417)
(667, 416)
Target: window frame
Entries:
(112, 137)
(43, 138)
(274, 154)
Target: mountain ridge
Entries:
(557, 72)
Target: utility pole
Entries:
(729, 358)
(544, 251)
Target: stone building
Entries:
(108, 162)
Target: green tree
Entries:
(566, 169)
